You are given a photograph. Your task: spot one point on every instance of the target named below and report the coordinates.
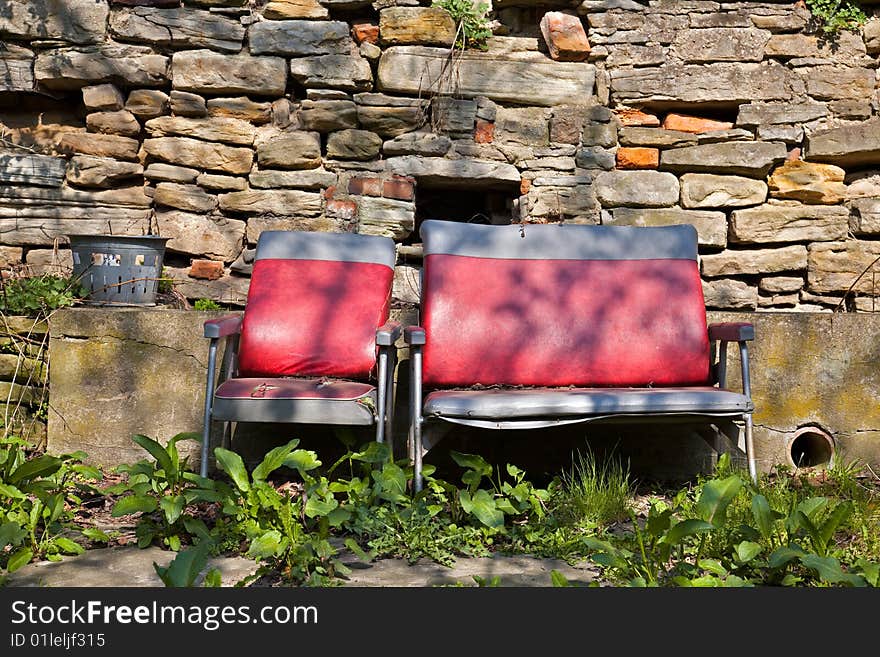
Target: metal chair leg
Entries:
(209, 400)
(750, 450)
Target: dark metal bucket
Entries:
(118, 269)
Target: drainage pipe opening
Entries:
(811, 447)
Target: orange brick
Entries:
(638, 158)
(365, 186)
(207, 269)
(342, 209)
(634, 117)
(524, 186)
(365, 32)
(565, 37)
(485, 132)
(399, 187)
(794, 154)
(694, 124)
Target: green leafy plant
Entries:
(833, 16)
(38, 495)
(206, 304)
(187, 565)
(472, 25)
(166, 493)
(35, 295)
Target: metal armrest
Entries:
(223, 326)
(732, 331)
(414, 335)
(387, 334)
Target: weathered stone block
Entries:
(522, 125)
(16, 68)
(390, 121)
(190, 198)
(566, 123)
(847, 146)
(120, 122)
(281, 9)
(453, 115)
(221, 183)
(121, 148)
(599, 134)
(565, 37)
(72, 68)
(780, 284)
(323, 224)
(738, 158)
(353, 145)
(159, 171)
(786, 113)
(692, 83)
(74, 21)
(636, 188)
(40, 170)
(835, 267)
(655, 137)
(242, 108)
(289, 150)
(425, 26)
(711, 226)
(88, 171)
(200, 154)
(833, 82)
(594, 157)
(463, 172)
(808, 182)
(865, 217)
(721, 44)
(225, 130)
(177, 28)
(562, 203)
(299, 38)
(790, 134)
(213, 237)
(309, 179)
(347, 72)
(525, 78)
(328, 115)
(385, 217)
(789, 223)
(184, 103)
(265, 201)
(215, 73)
(147, 103)
(425, 144)
(730, 295)
(102, 98)
(706, 190)
(845, 45)
(87, 381)
(755, 261)
(872, 36)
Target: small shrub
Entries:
(206, 304)
(470, 20)
(833, 16)
(34, 295)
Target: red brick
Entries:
(638, 158)
(634, 117)
(365, 32)
(207, 269)
(565, 37)
(342, 209)
(329, 192)
(794, 154)
(485, 132)
(694, 124)
(399, 187)
(365, 186)
(524, 186)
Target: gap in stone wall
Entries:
(37, 122)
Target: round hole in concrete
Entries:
(811, 447)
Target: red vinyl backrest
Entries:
(560, 305)
(314, 304)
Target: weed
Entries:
(472, 26)
(598, 491)
(206, 304)
(833, 16)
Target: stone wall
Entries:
(209, 121)
(24, 356)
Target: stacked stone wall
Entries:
(210, 121)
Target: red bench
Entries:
(530, 326)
